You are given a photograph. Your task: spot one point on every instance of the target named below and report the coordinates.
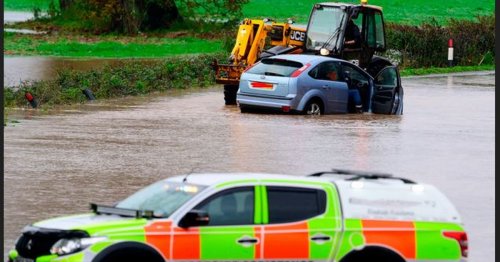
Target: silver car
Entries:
(319, 85)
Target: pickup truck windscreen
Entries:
(162, 197)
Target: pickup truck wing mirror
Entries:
(195, 218)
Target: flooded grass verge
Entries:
(117, 80)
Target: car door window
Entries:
(326, 71)
(354, 74)
(388, 77)
(230, 207)
(287, 204)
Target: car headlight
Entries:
(71, 245)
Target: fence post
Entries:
(450, 52)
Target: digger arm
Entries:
(251, 41)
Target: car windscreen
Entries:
(275, 67)
(163, 197)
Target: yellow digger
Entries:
(324, 35)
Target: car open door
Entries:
(387, 92)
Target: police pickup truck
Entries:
(339, 215)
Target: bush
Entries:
(123, 79)
(427, 45)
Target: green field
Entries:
(107, 47)
(401, 11)
(409, 11)
(26, 5)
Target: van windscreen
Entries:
(275, 67)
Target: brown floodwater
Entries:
(56, 163)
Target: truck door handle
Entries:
(325, 87)
(320, 238)
(247, 241)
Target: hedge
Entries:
(427, 45)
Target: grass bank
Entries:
(444, 70)
(108, 46)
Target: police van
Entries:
(339, 215)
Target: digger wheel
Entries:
(230, 94)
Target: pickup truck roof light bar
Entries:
(357, 175)
(100, 209)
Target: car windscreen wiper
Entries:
(334, 35)
(100, 209)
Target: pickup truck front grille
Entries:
(36, 241)
(33, 246)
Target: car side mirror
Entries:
(195, 218)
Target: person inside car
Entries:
(354, 99)
(332, 75)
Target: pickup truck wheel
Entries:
(128, 251)
(373, 253)
(313, 107)
(230, 94)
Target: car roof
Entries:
(304, 59)
(315, 59)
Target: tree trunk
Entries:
(130, 17)
(65, 4)
(159, 16)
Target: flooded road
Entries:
(57, 164)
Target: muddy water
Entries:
(57, 164)
(18, 69)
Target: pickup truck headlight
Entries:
(71, 245)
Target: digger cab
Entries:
(329, 26)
